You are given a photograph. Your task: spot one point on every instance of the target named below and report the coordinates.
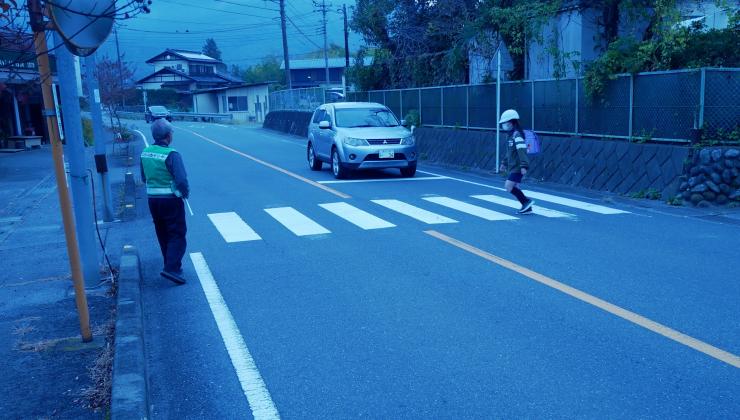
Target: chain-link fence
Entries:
(661, 106)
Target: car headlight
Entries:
(408, 141)
(351, 141)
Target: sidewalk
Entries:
(48, 371)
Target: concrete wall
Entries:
(206, 103)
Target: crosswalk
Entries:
(437, 210)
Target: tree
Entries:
(267, 71)
(113, 80)
(211, 49)
(417, 43)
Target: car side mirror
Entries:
(404, 123)
(324, 125)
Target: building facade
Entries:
(312, 72)
(246, 102)
(186, 72)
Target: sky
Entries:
(245, 30)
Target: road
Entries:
(386, 297)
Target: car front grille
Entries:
(384, 141)
(372, 157)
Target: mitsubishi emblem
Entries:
(385, 141)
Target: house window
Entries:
(238, 103)
(179, 67)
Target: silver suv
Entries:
(359, 135)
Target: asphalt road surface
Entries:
(386, 297)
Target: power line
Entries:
(214, 9)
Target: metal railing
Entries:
(655, 106)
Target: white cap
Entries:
(508, 115)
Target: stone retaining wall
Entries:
(714, 177)
(614, 166)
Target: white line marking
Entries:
(296, 222)
(515, 205)
(414, 212)
(254, 388)
(221, 125)
(349, 181)
(547, 197)
(464, 207)
(143, 137)
(190, 209)
(356, 216)
(574, 203)
(233, 228)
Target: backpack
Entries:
(532, 142)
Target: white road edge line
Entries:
(258, 397)
(350, 181)
(143, 137)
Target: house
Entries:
(186, 72)
(483, 61)
(245, 102)
(574, 32)
(312, 72)
(21, 102)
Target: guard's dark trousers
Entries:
(169, 222)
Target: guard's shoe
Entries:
(526, 208)
(173, 276)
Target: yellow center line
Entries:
(640, 320)
(271, 166)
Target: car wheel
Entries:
(313, 161)
(336, 165)
(409, 171)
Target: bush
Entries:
(87, 132)
(413, 118)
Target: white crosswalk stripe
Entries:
(296, 222)
(471, 209)
(233, 228)
(516, 205)
(414, 212)
(356, 216)
(582, 205)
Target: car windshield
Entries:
(157, 109)
(365, 117)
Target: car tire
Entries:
(336, 165)
(313, 162)
(409, 171)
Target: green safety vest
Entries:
(159, 180)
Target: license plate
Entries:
(386, 154)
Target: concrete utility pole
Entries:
(79, 181)
(346, 37)
(323, 7)
(42, 56)
(120, 68)
(101, 164)
(286, 58)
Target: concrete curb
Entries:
(129, 395)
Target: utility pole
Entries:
(286, 58)
(79, 177)
(120, 68)
(323, 7)
(101, 164)
(42, 56)
(346, 38)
